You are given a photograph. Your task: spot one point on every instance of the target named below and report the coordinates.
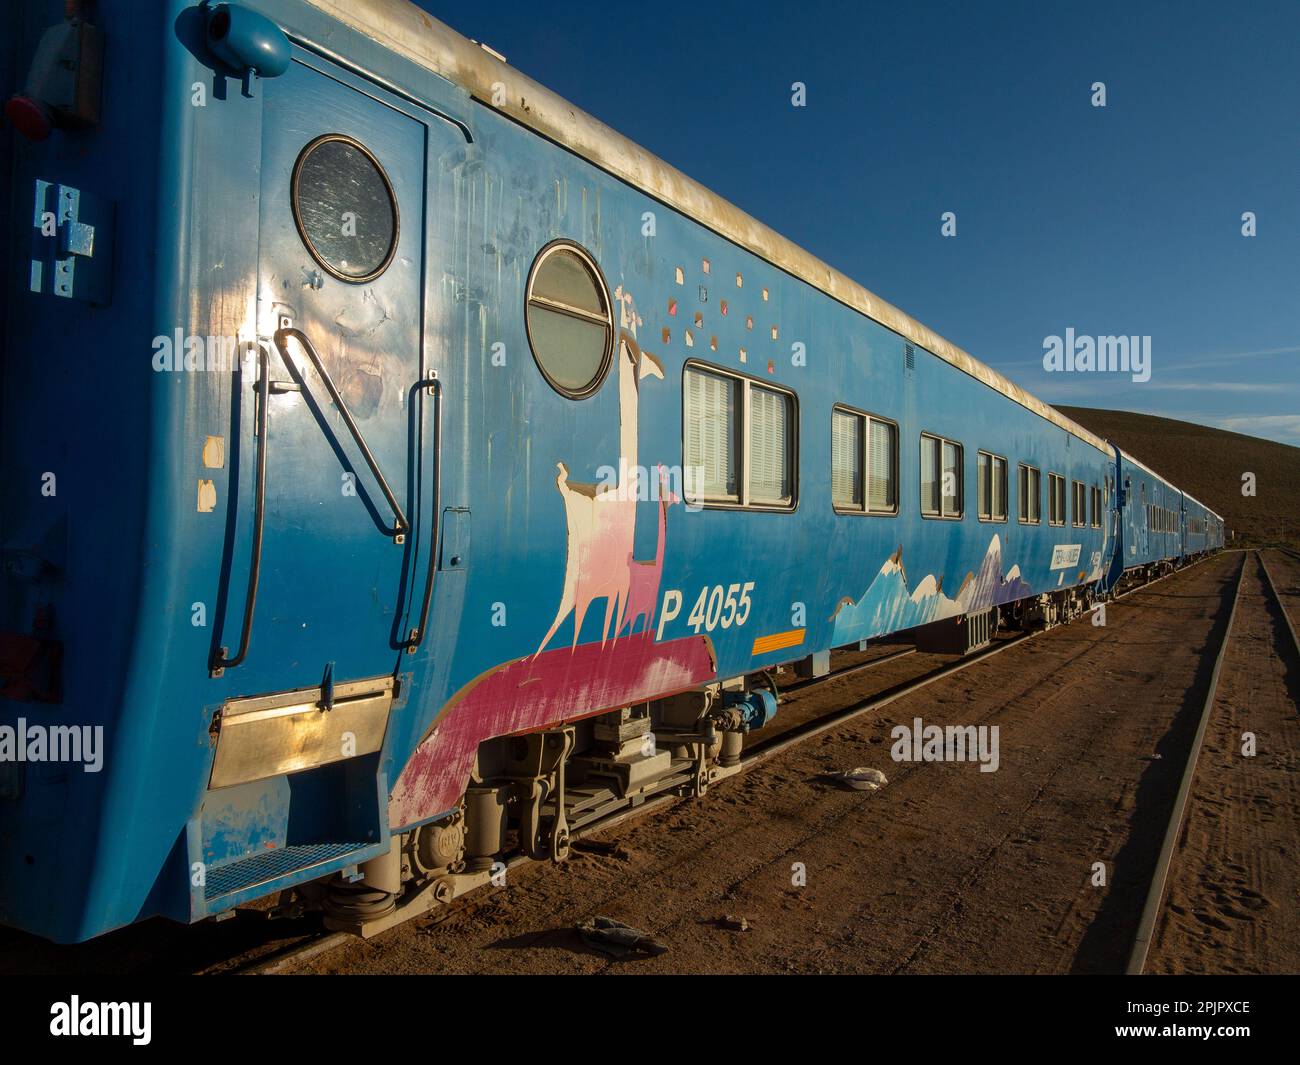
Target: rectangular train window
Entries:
(1095, 492)
(941, 478)
(864, 463)
(1030, 503)
(848, 445)
(711, 424)
(1055, 499)
(738, 440)
(1080, 492)
(771, 474)
(991, 486)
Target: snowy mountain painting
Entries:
(888, 606)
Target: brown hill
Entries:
(1210, 463)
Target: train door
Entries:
(340, 428)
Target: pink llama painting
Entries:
(644, 577)
(601, 518)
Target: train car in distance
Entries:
(1202, 528)
(1150, 518)
(421, 503)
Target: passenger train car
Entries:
(1202, 528)
(401, 467)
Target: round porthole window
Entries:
(570, 325)
(344, 207)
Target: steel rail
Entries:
(1160, 877)
(1281, 604)
(811, 682)
(766, 749)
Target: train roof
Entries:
(1164, 480)
(1188, 495)
(1143, 466)
(410, 32)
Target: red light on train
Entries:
(29, 117)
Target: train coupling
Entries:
(745, 711)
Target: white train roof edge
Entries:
(1143, 466)
(410, 32)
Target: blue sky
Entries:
(1122, 220)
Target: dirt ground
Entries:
(947, 869)
(1234, 892)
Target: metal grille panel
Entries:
(271, 864)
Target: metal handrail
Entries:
(220, 662)
(402, 526)
(416, 636)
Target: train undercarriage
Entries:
(531, 794)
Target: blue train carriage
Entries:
(1216, 533)
(450, 464)
(1202, 528)
(1151, 519)
(1024, 537)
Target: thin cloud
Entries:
(1283, 427)
(1235, 356)
(1199, 359)
(1224, 386)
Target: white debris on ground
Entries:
(861, 779)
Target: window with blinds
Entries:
(1030, 502)
(1055, 499)
(848, 444)
(952, 506)
(942, 490)
(710, 424)
(930, 476)
(883, 467)
(991, 486)
(770, 468)
(864, 463)
(738, 440)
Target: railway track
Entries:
(753, 755)
(1171, 847)
(1277, 597)
(802, 684)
